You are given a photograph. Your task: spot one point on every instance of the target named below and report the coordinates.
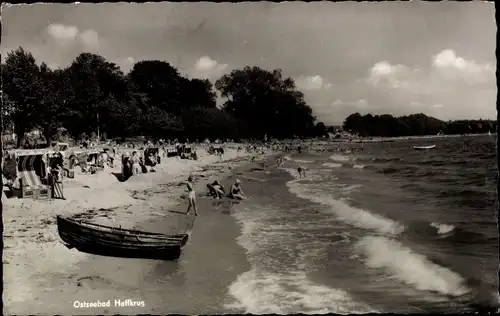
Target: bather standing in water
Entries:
(236, 191)
(191, 197)
(302, 171)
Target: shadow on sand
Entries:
(119, 176)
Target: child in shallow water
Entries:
(216, 190)
(302, 171)
(191, 197)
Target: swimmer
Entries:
(302, 171)
(216, 190)
(236, 191)
(191, 197)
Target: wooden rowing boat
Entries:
(117, 242)
(424, 147)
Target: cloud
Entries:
(70, 34)
(207, 68)
(358, 105)
(453, 67)
(392, 76)
(334, 112)
(361, 103)
(465, 86)
(312, 83)
(89, 38)
(448, 59)
(125, 63)
(62, 32)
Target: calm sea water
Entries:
(388, 229)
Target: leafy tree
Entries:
(267, 102)
(160, 124)
(160, 82)
(412, 125)
(210, 123)
(320, 129)
(119, 119)
(21, 83)
(54, 96)
(93, 80)
(197, 93)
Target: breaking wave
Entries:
(288, 293)
(442, 229)
(409, 267)
(351, 215)
(332, 165)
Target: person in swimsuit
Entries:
(135, 161)
(216, 190)
(191, 197)
(236, 191)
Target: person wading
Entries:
(191, 197)
(302, 171)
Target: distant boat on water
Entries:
(424, 147)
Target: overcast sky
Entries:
(397, 58)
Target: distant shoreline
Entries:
(387, 139)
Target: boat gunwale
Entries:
(116, 231)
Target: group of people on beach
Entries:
(216, 190)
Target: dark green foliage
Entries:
(93, 96)
(413, 125)
(267, 102)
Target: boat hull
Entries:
(115, 242)
(424, 147)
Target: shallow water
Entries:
(388, 229)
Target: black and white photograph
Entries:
(249, 158)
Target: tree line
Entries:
(93, 96)
(413, 125)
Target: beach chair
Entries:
(32, 187)
(82, 162)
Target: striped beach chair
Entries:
(32, 186)
(30, 183)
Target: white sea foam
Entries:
(332, 165)
(351, 215)
(275, 284)
(340, 158)
(303, 161)
(442, 229)
(259, 292)
(409, 267)
(359, 166)
(349, 188)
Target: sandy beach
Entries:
(42, 276)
